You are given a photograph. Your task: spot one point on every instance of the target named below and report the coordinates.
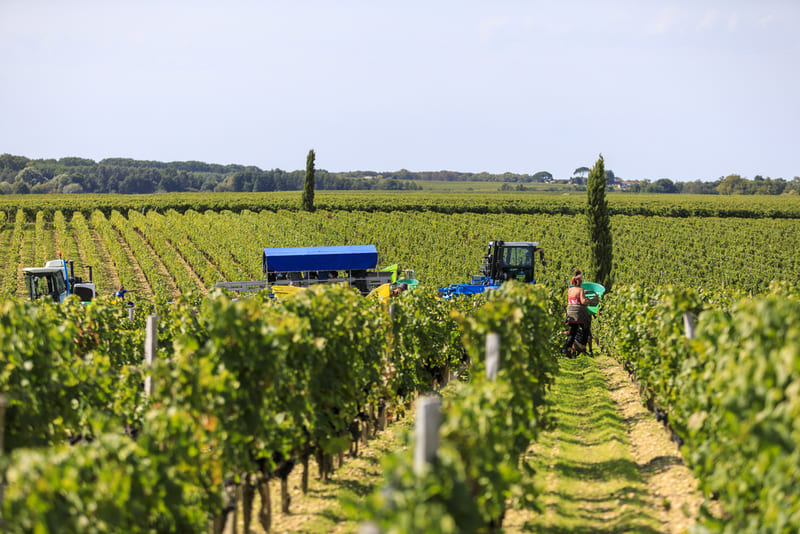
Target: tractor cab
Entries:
(53, 281)
(44, 282)
(512, 260)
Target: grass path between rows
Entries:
(606, 467)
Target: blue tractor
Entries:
(504, 261)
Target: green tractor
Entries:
(504, 261)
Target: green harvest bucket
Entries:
(593, 290)
(412, 284)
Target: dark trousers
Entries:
(577, 332)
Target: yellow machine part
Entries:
(382, 292)
(282, 291)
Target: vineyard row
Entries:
(164, 255)
(739, 206)
(298, 372)
(729, 389)
(292, 382)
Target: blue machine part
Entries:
(479, 285)
(66, 279)
(461, 289)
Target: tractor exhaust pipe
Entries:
(90, 272)
(72, 269)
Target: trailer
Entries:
(299, 267)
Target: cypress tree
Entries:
(599, 223)
(308, 189)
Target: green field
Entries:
(494, 187)
(253, 378)
(165, 247)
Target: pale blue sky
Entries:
(684, 89)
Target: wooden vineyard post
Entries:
(688, 324)
(130, 313)
(426, 432)
(492, 355)
(426, 443)
(150, 349)
(369, 528)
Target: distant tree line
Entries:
(729, 185)
(733, 184)
(21, 175)
(455, 176)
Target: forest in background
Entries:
(21, 175)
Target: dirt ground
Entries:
(660, 462)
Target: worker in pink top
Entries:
(578, 317)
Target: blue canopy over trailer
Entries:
(341, 258)
(306, 266)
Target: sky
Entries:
(683, 90)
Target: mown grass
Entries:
(589, 480)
